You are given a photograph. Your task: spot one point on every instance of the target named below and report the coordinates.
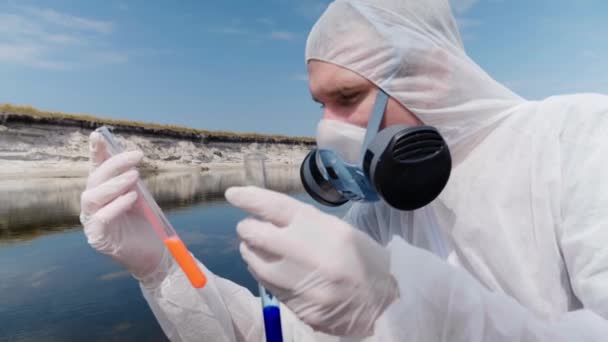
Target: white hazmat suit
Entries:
(522, 226)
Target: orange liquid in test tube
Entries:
(177, 248)
(186, 261)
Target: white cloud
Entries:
(30, 55)
(283, 35)
(47, 39)
(12, 23)
(69, 21)
(252, 34)
(18, 27)
(15, 51)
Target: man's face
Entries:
(348, 97)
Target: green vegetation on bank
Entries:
(10, 112)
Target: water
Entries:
(54, 287)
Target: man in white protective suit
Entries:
(515, 248)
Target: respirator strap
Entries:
(373, 126)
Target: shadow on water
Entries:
(29, 208)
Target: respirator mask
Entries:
(406, 166)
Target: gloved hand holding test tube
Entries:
(154, 215)
(255, 174)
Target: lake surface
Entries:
(54, 287)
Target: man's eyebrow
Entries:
(339, 91)
(344, 90)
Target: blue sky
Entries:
(239, 65)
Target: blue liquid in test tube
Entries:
(272, 316)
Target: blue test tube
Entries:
(255, 174)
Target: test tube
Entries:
(157, 219)
(255, 174)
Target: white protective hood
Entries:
(413, 51)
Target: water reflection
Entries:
(31, 207)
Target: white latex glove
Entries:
(333, 277)
(111, 214)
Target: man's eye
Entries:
(348, 98)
